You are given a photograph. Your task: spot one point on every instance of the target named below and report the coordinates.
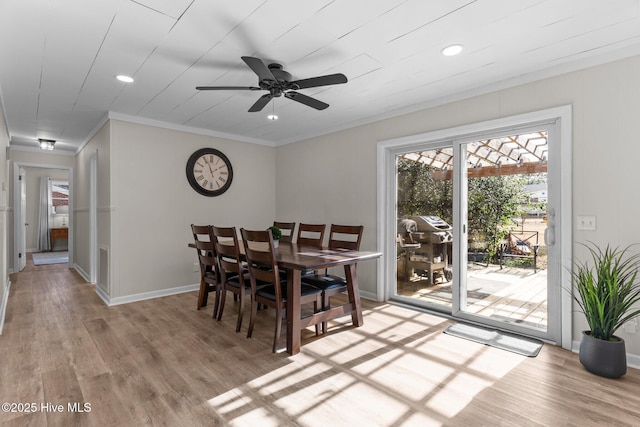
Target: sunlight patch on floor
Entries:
(389, 372)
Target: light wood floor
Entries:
(161, 362)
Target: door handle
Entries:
(26, 223)
(550, 236)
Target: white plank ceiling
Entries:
(59, 59)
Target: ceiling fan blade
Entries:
(306, 100)
(227, 88)
(331, 79)
(260, 103)
(259, 68)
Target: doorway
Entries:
(26, 195)
(472, 213)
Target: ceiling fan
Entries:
(278, 82)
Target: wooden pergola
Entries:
(510, 155)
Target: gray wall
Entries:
(148, 205)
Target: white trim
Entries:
(3, 306)
(94, 131)
(145, 295)
(81, 272)
(17, 220)
(16, 198)
(57, 151)
(368, 295)
(189, 129)
(385, 209)
(93, 217)
(530, 77)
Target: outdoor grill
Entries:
(427, 242)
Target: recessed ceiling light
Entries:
(452, 50)
(124, 78)
(272, 117)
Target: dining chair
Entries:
(209, 279)
(340, 237)
(263, 268)
(311, 234)
(233, 278)
(288, 230)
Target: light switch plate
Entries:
(586, 222)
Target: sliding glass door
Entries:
(474, 228)
(504, 199)
(425, 227)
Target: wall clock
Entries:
(209, 172)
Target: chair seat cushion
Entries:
(210, 277)
(323, 281)
(270, 293)
(235, 282)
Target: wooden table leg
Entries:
(293, 311)
(354, 294)
(202, 296)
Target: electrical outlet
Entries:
(196, 267)
(586, 223)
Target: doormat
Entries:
(43, 258)
(511, 342)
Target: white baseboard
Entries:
(83, 273)
(633, 361)
(145, 295)
(368, 295)
(3, 305)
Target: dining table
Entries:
(298, 260)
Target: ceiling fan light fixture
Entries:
(452, 50)
(273, 117)
(46, 144)
(125, 79)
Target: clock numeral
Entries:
(221, 179)
(210, 158)
(211, 185)
(205, 182)
(197, 171)
(200, 164)
(200, 178)
(224, 172)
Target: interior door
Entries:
(22, 224)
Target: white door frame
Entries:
(93, 217)
(21, 231)
(18, 210)
(386, 197)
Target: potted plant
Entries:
(607, 292)
(276, 233)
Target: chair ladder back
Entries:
(209, 279)
(228, 250)
(311, 234)
(288, 230)
(260, 253)
(204, 247)
(345, 236)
